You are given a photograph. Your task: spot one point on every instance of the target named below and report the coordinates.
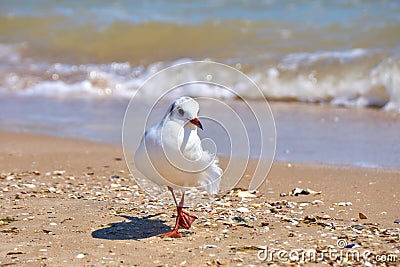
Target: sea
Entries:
(330, 70)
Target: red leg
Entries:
(183, 219)
(174, 233)
(186, 219)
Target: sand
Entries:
(73, 203)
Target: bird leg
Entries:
(183, 218)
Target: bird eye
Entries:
(180, 111)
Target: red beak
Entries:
(197, 122)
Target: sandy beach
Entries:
(73, 203)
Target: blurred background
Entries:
(330, 69)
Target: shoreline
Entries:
(19, 135)
(69, 202)
(306, 133)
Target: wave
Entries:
(356, 77)
(68, 39)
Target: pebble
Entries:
(397, 221)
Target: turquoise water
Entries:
(302, 12)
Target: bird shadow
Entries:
(136, 228)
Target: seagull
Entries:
(170, 154)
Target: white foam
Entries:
(336, 77)
(299, 79)
(9, 53)
(296, 60)
(363, 164)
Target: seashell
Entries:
(242, 209)
(299, 191)
(59, 172)
(245, 194)
(317, 202)
(208, 246)
(80, 256)
(343, 203)
(362, 216)
(358, 227)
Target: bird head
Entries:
(186, 110)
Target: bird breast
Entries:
(181, 141)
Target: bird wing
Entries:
(211, 176)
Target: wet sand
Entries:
(67, 202)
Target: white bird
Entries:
(171, 154)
